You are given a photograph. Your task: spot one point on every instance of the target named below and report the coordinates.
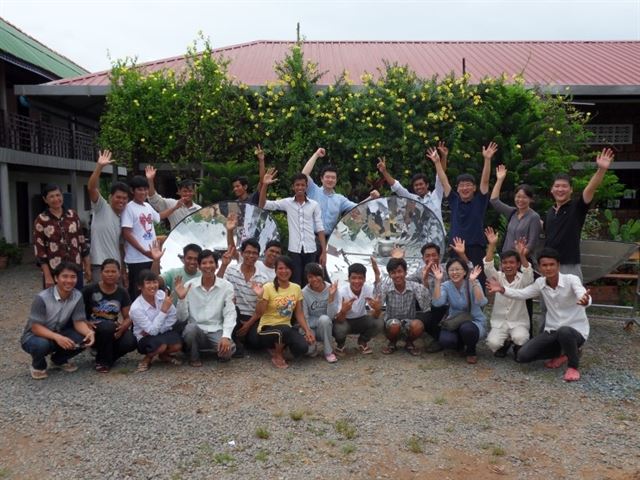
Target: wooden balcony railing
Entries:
(19, 132)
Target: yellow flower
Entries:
(142, 140)
(518, 146)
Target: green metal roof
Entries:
(29, 50)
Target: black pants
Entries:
(300, 260)
(134, 273)
(431, 320)
(110, 349)
(547, 345)
(289, 336)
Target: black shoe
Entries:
(502, 351)
(239, 353)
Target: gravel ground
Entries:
(376, 417)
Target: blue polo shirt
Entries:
(467, 218)
(332, 205)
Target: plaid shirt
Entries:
(403, 305)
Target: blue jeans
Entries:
(39, 348)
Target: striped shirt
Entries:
(245, 296)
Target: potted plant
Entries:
(9, 252)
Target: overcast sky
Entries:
(88, 31)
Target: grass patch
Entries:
(331, 443)
(498, 452)
(296, 415)
(224, 458)
(263, 433)
(348, 449)
(344, 428)
(262, 456)
(122, 371)
(278, 414)
(4, 472)
(440, 400)
(415, 444)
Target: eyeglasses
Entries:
(455, 270)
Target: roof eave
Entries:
(63, 90)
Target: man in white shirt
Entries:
(509, 317)
(304, 220)
(207, 304)
(186, 191)
(420, 185)
(567, 326)
(138, 231)
(356, 310)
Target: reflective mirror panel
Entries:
(206, 228)
(377, 226)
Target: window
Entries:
(620, 134)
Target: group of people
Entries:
(236, 301)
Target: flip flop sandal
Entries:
(142, 367)
(389, 349)
(365, 349)
(412, 349)
(102, 368)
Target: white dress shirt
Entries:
(506, 311)
(149, 318)
(358, 308)
(562, 307)
(432, 200)
(304, 220)
(212, 310)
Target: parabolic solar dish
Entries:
(374, 228)
(206, 228)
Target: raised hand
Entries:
(104, 158)
(584, 300)
(320, 152)
(333, 288)
(521, 246)
(458, 246)
(347, 303)
(489, 151)
(501, 172)
(492, 236)
(155, 251)
(374, 265)
(493, 286)
(179, 288)
(438, 274)
(259, 153)
(150, 172)
(232, 222)
(475, 273)
(258, 289)
(374, 194)
(605, 158)
(270, 177)
(443, 150)
(166, 303)
(382, 164)
(432, 154)
(397, 252)
(228, 256)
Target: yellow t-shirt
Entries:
(280, 304)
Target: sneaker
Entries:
(503, 350)
(38, 374)
(331, 358)
(67, 367)
(239, 353)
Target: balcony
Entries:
(18, 132)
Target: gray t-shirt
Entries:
(53, 312)
(105, 232)
(315, 304)
(528, 226)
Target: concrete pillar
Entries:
(5, 203)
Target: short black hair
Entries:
(206, 253)
(110, 261)
(299, 176)
(418, 176)
(509, 253)
(313, 269)
(563, 177)
(549, 252)
(50, 187)
(428, 246)
(192, 247)
(395, 263)
(186, 183)
(465, 177)
(526, 189)
(244, 181)
(138, 181)
(328, 168)
(147, 275)
(273, 243)
(66, 266)
(358, 269)
(250, 242)
(119, 187)
(451, 261)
